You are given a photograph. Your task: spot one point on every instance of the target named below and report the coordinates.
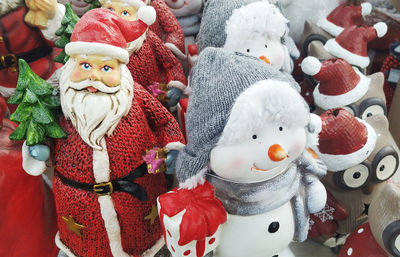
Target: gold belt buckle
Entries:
(99, 188)
(14, 61)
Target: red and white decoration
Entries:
(351, 44)
(344, 140)
(361, 243)
(344, 16)
(339, 83)
(191, 220)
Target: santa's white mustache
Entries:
(100, 86)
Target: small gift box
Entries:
(155, 160)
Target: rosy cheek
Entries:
(297, 147)
(77, 75)
(237, 162)
(112, 80)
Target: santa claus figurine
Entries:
(166, 26)
(21, 39)
(105, 198)
(152, 63)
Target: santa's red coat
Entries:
(167, 26)
(154, 62)
(147, 125)
(17, 38)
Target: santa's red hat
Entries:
(351, 44)
(344, 16)
(344, 140)
(101, 31)
(339, 83)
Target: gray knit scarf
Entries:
(247, 199)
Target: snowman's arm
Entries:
(313, 165)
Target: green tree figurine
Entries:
(38, 105)
(64, 32)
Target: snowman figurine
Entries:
(247, 131)
(188, 13)
(259, 29)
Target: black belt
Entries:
(124, 184)
(11, 60)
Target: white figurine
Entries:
(248, 130)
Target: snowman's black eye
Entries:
(266, 46)
(273, 227)
(248, 50)
(280, 128)
(254, 136)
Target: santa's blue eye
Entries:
(111, 9)
(125, 13)
(106, 68)
(86, 66)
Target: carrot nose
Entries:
(276, 153)
(265, 59)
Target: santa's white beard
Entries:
(8, 5)
(95, 115)
(135, 46)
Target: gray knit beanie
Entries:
(218, 78)
(212, 27)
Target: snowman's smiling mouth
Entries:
(255, 168)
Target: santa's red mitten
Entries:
(191, 220)
(324, 222)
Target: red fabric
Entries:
(167, 26)
(341, 133)
(147, 125)
(391, 62)
(105, 27)
(329, 226)
(307, 89)
(362, 244)
(346, 15)
(355, 38)
(22, 38)
(154, 62)
(336, 77)
(27, 211)
(204, 212)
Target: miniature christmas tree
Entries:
(38, 105)
(93, 4)
(64, 32)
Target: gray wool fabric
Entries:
(217, 79)
(212, 27)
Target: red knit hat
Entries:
(101, 31)
(344, 16)
(351, 44)
(339, 83)
(344, 140)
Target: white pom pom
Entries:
(381, 29)
(311, 65)
(366, 9)
(147, 14)
(315, 124)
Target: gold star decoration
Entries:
(72, 225)
(152, 215)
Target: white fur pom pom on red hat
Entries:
(381, 29)
(366, 9)
(311, 65)
(147, 14)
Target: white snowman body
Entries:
(257, 145)
(262, 235)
